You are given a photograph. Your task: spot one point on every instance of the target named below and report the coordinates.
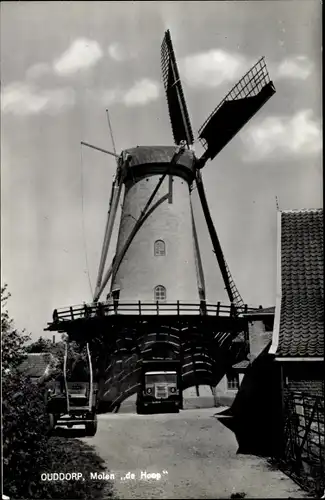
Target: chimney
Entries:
(53, 341)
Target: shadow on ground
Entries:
(68, 433)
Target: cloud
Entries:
(299, 67)
(111, 96)
(213, 68)
(117, 52)
(38, 70)
(297, 135)
(141, 93)
(81, 54)
(216, 67)
(22, 99)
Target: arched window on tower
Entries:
(160, 293)
(159, 248)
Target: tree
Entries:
(28, 449)
(23, 410)
(13, 343)
(41, 345)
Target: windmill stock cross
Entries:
(150, 172)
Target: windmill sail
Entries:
(232, 291)
(113, 206)
(236, 109)
(179, 117)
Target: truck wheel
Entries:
(91, 427)
(52, 421)
(141, 410)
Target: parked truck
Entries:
(160, 387)
(72, 398)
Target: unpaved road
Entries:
(196, 450)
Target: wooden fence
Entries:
(304, 450)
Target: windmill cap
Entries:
(148, 160)
(156, 154)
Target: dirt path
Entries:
(197, 453)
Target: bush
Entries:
(13, 343)
(28, 449)
(24, 433)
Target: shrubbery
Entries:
(28, 449)
(24, 434)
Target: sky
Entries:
(64, 63)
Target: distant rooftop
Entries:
(36, 364)
(261, 310)
(242, 365)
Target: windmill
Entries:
(152, 167)
(157, 271)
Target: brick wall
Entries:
(312, 387)
(306, 377)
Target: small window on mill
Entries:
(160, 293)
(160, 248)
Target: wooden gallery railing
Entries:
(101, 309)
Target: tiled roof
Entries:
(301, 325)
(242, 365)
(36, 363)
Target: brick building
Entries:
(298, 336)
(293, 361)
(298, 344)
(38, 366)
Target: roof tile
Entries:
(301, 331)
(36, 363)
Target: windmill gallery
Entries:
(156, 311)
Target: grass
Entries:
(70, 455)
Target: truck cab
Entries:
(160, 391)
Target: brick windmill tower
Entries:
(157, 269)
